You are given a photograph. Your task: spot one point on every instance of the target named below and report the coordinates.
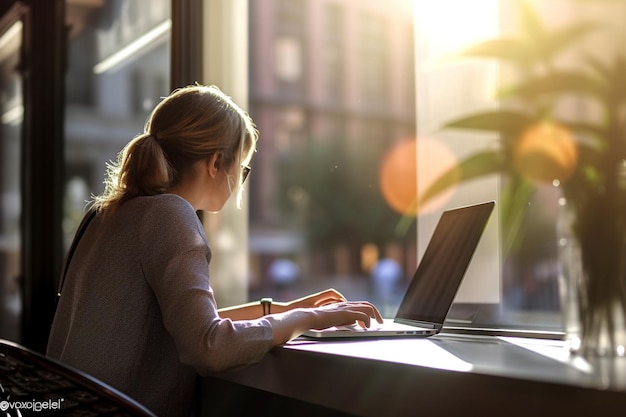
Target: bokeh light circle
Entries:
(546, 152)
(399, 174)
(398, 177)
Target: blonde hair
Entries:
(191, 124)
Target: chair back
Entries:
(34, 385)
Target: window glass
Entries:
(11, 119)
(341, 91)
(336, 97)
(449, 88)
(522, 291)
(118, 69)
(374, 76)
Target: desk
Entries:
(446, 375)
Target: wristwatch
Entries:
(267, 305)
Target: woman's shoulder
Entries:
(159, 202)
(164, 209)
(166, 225)
(167, 203)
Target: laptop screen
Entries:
(443, 265)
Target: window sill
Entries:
(448, 374)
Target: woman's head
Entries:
(193, 124)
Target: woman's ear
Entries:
(214, 164)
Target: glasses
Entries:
(245, 171)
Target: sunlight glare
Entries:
(452, 25)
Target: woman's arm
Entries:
(316, 311)
(254, 309)
(248, 311)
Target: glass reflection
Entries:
(11, 110)
(118, 68)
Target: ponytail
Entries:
(141, 169)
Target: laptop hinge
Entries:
(425, 324)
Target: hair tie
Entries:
(154, 136)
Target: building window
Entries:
(374, 44)
(333, 53)
(288, 58)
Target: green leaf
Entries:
(560, 82)
(502, 121)
(610, 74)
(598, 66)
(598, 133)
(530, 22)
(556, 41)
(513, 205)
(475, 166)
(616, 80)
(509, 49)
(545, 44)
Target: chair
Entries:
(32, 384)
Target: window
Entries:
(333, 53)
(443, 93)
(514, 287)
(317, 216)
(334, 87)
(288, 58)
(118, 69)
(373, 50)
(290, 28)
(11, 119)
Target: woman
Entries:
(137, 310)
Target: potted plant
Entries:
(586, 159)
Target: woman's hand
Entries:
(329, 299)
(361, 312)
(292, 323)
(319, 299)
(316, 311)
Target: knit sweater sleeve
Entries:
(177, 270)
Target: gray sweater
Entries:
(137, 310)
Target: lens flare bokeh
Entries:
(399, 179)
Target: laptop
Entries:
(437, 279)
